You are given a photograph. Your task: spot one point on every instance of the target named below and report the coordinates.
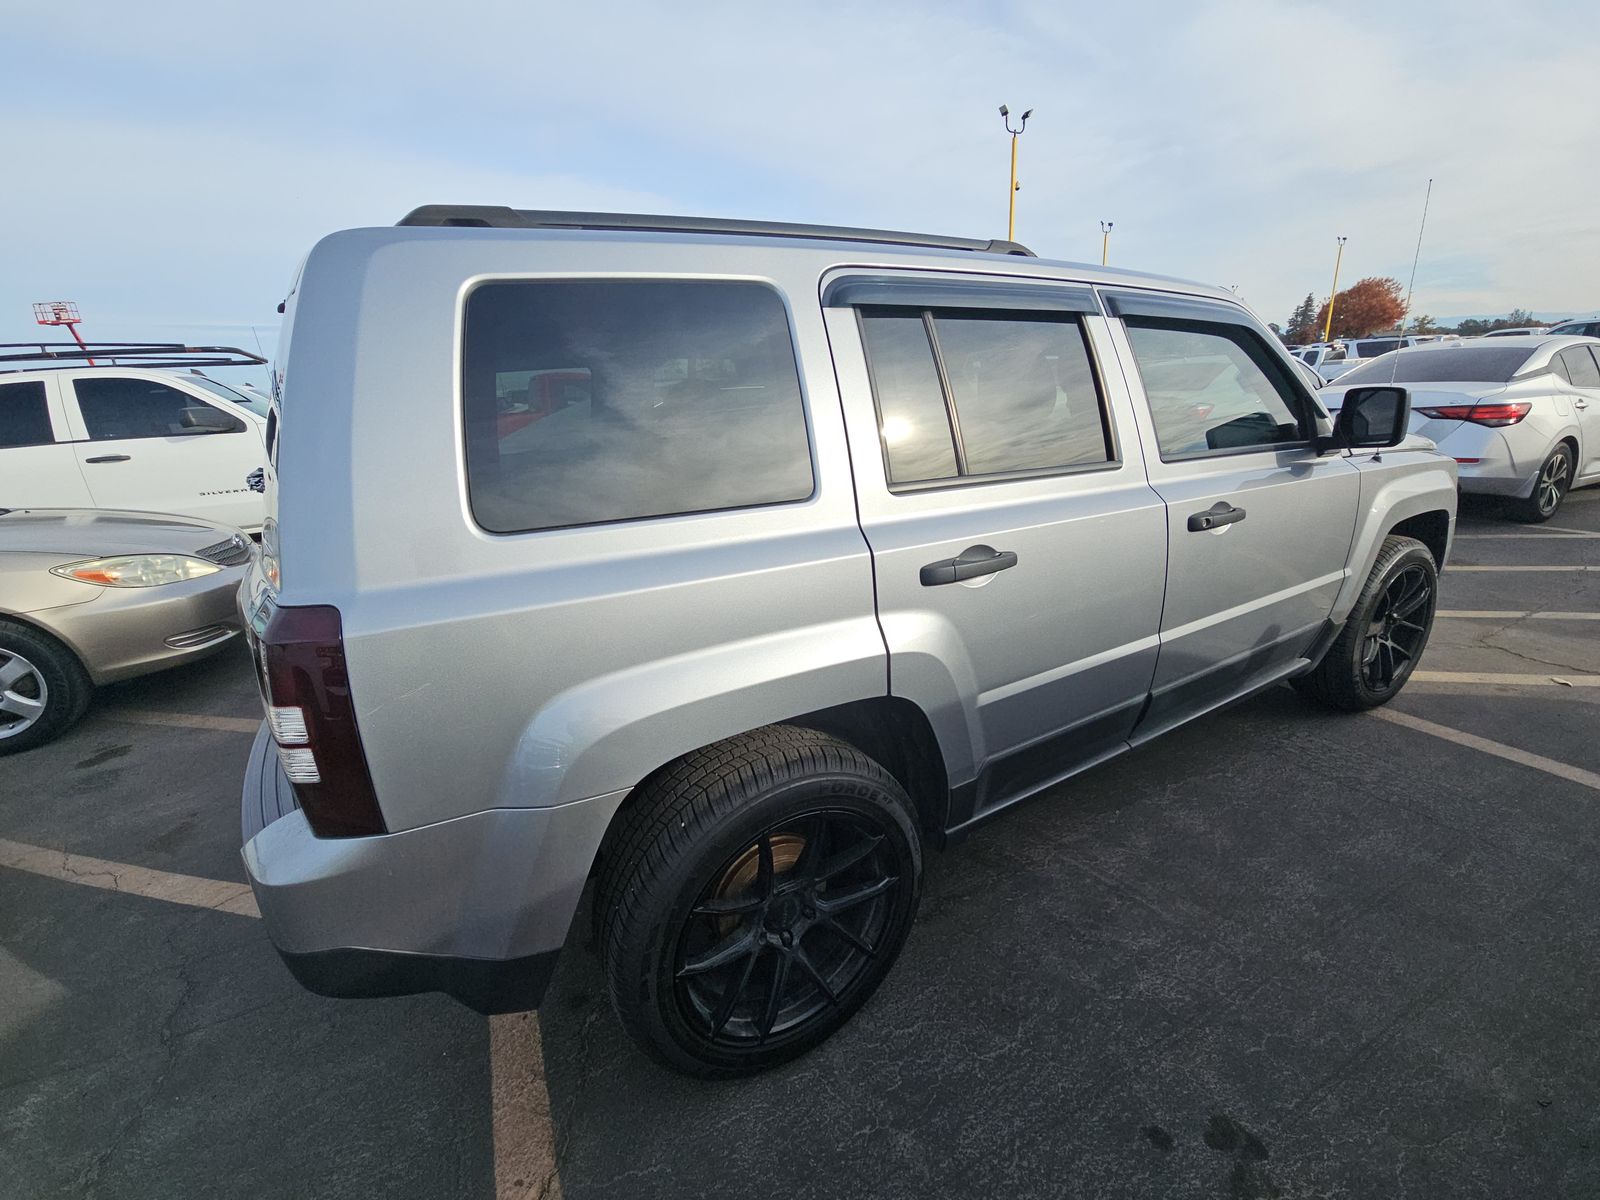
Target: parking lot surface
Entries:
(1277, 953)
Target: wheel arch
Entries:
(891, 730)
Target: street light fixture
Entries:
(1011, 215)
(1105, 240)
(1327, 327)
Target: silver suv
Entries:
(736, 564)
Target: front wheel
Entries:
(43, 688)
(1549, 488)
(1385, 634)
(760, 891)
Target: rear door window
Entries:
(1581, 370)
(589, 401)
(1213, 388)
(116, 408)
(24, 415)
(982, 393)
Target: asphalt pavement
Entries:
(1278, 953)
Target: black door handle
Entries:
(100, 458)
(1220, 513)
(969, 564)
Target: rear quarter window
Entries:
(591, 401)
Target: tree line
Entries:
(1374, 305)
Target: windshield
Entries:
(1474, 364)
(255, 404)
(1376, 346)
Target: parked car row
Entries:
(1520, 415)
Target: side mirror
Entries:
(202, 418)
(1371, 418)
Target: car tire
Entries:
(1385, 634)
(759, 891)
(1550, 487)
(35, 667)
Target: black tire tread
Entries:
(1526, 508)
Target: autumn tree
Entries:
(1302, 326)
(1364, 308)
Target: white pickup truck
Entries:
(131, 436)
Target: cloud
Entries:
(188, 162)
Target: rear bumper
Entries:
(476, 907)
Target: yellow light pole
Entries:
(1011, 215)
(1105, 240)
(1327, 327)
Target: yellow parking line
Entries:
(524, 1137)
(136, 881)
(1510, 680)
(1538, 762)
(1471, 614)
(150, 716)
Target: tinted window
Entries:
(607, 400)
(1024, 393)
(912, 419)
(116, 408)
(1442, 363)
(1212, 387)
(1580, 367)
(1559, 369)
(24, 415)
(1376, 346)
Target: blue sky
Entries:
(169, 164)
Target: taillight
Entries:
(1480, 414)
(306, 689)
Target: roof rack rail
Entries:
(490, 216)
(123, 354)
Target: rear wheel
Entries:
(1549, 488)
(1385, 634)
(760, 891)
(43, 688)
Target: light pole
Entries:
(1327, 327)
(1011, 215)
(1105, 240)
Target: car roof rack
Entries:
(490, 216)
(121, 354)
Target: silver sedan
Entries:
(1520, 415)
(90, 597)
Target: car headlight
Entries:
(137, 570)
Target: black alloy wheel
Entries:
(1397, 629)
(787, 930)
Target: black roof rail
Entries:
(122, 354)
(491, 216)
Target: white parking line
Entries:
(215, 894)
(1454, 569)
(1554, 535)
(1471, 614)
(1510, 680)
(1472, 741)
(150, 716)
(524, 1138)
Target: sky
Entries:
(169, 164)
